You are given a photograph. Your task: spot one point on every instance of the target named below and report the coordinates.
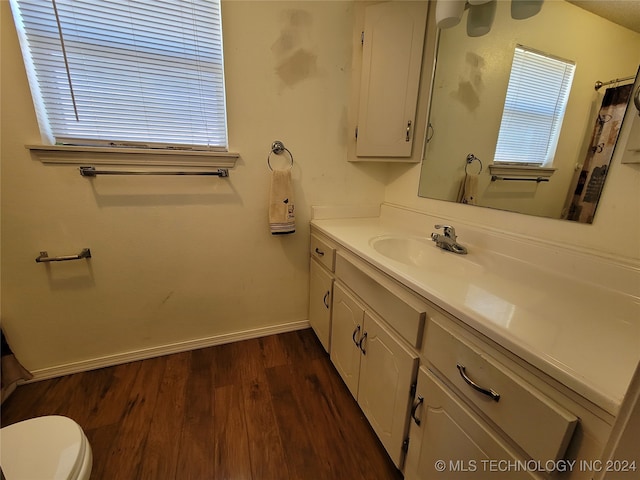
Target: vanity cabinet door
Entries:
(346, 330)
(320, 296)
(451, 442)
(387, 371)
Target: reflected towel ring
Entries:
(278, 147)
(470, 158)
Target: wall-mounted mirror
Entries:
(471, 78)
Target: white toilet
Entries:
(51, 447)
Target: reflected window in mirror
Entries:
(536, 99)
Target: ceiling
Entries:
(622, 12)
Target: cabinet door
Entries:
(347, 327)
(387, 370)
(320, 294)
(451, 441)
(393, 40)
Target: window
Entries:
(534, 107)
(145, 73)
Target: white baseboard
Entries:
(7, 391)
(145, 353)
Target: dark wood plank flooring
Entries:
(261, 409)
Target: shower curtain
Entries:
(596, 164)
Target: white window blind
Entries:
(118, 72)
(534, 107)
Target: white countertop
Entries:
(585, 336)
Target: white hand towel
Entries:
(468, 190)
(282, 217)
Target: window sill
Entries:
(525, 171)
(76, 155)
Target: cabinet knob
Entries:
(326, 297)
(319, 252)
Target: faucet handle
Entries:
(449, 231)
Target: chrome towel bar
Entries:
(92, 172)
(536, 179)
(44, 256)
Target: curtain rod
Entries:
(600, 84)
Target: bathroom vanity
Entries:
(509, 362)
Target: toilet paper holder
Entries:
(44, 256)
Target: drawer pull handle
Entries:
(487, 391)
(414, 408)
(324, 300)
(353, 337)
(319, 252)
(362, 339)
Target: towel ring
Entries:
(470, 158)
(278, 147)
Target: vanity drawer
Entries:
(323, 252)
(400, 308)
(541, 427)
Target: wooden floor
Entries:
(267, 408)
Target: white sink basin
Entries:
(416, 251)
(423, 253)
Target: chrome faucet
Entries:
(447, 240)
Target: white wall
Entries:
(181, 258)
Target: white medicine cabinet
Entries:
(391, 41)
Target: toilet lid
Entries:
(50, 447)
